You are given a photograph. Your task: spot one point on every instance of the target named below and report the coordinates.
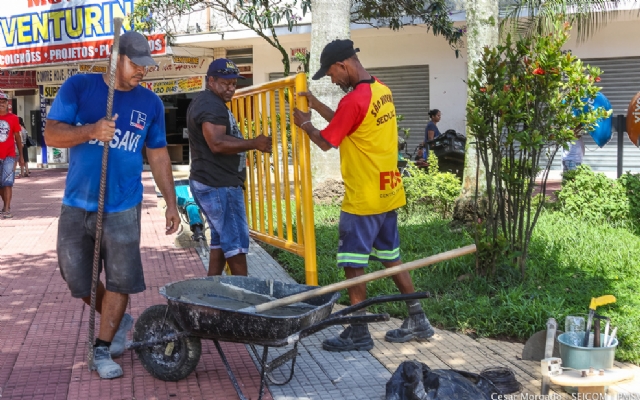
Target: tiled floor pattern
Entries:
(43, 330)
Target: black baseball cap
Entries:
(336, 51)
(135, 46)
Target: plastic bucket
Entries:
(578, 357)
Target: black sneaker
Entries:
(415, 327)
(355, 337)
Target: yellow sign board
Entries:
(174, 86)
(50, 92)
(186, 60)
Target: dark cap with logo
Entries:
(224, 68)
(336, 51)
(135, 46)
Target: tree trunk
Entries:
(482, 31)
(331, 20)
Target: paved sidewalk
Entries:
(43, 330)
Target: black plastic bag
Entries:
(416, 381)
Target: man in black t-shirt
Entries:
(218, 167)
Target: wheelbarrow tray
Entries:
(217, 320)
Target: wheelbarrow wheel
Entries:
(170, 361)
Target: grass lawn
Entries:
(570, 262)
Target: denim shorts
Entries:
(225, 212)
(368, 237)
(7, 167)
(120, 250)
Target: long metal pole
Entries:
(621, 124)
(117, 26)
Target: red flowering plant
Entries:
(521, 113)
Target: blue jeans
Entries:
(569, 165)
(7, 168)
(225, 212)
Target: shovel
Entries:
(285, 301)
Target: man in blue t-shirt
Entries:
(76, 121)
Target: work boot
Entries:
(355, 337)
(102, 362)
(416, 326)
(119, 339)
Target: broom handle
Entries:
(285, 301)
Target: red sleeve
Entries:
(351, 111)
(16, 125)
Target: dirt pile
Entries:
(330, 191)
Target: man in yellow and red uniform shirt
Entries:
(364, 128)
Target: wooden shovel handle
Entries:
(285, 301)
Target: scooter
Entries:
(192, 215)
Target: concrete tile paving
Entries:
(43, 330)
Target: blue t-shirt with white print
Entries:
(82, 100)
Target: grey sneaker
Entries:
(102, 362)
(414, 327)
(355, 337)
(119, 339)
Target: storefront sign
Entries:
(49, 92)
(175, 86)
(92, 69)
(54, 76)
(168, 69)
(57, 76)
(185, 60)
(42, 32)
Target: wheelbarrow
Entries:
(254, 312)
(167, 338)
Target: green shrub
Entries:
(594, 197)
(631, 183)
(435, 190)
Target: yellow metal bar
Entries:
(295, 149)
(287, 180)
(258, 160)
(266, 160)
(310, 262)
(265, 87)
(288, 245)
(250, 167)
(238, 111)
(276, 161)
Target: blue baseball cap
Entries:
(224, 68)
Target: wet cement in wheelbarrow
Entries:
(235, 304)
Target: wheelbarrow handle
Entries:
(357, 319)
(380, 299)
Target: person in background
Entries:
(24, 169)
(362, 127)
(218, 167)
(431, 131)
(572, 157)
(9, 140)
